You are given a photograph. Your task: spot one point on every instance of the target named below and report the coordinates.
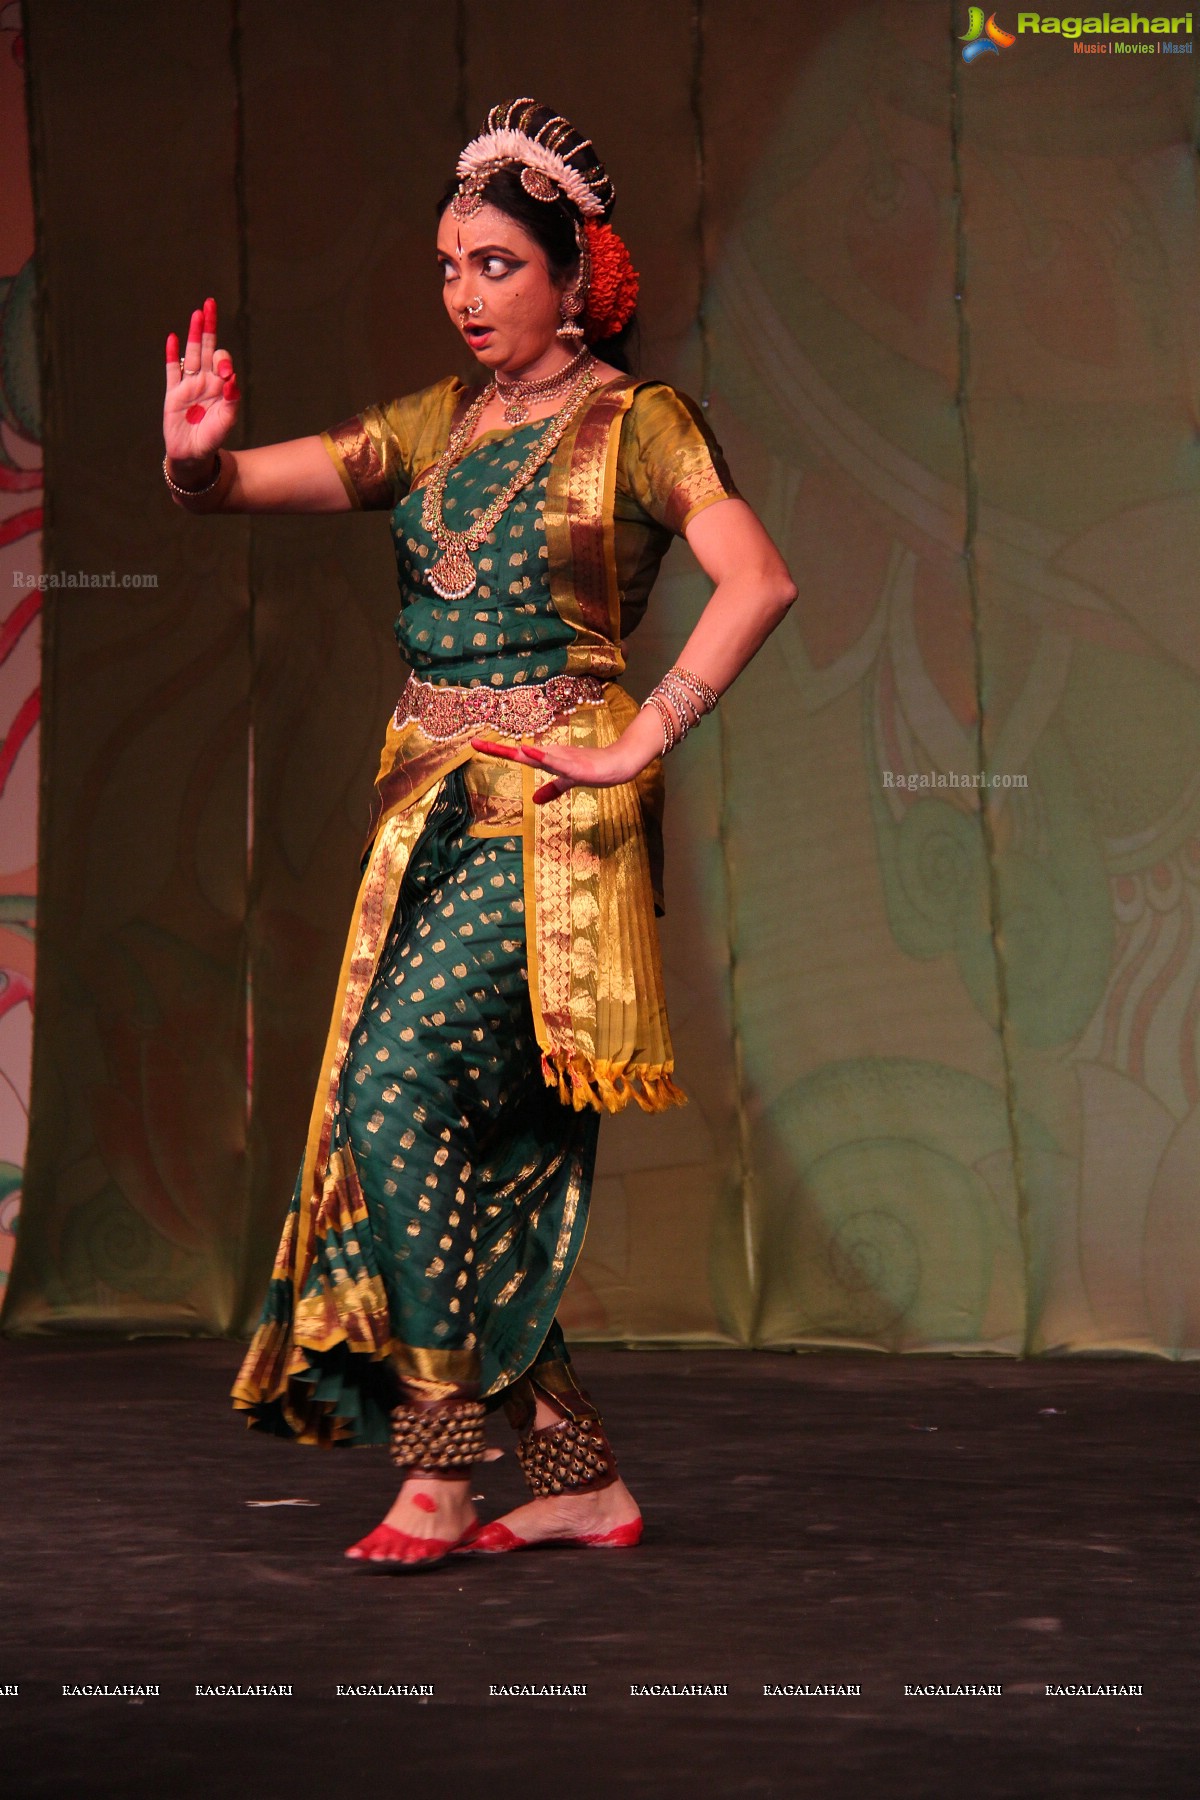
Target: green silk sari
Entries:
(442, 1201)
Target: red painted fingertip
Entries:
(488, 748)
(539, 756)
(543, 794)
(210, 314)
(225, 369)
(172, 347)
(232, 391)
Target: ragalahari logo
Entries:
(983, 36)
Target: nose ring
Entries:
(476, 306)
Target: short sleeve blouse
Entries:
(669, 468)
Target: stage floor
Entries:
(840, 1520)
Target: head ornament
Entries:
(548, 170)
(603, 295)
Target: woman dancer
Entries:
(501, 985)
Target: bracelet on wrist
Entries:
(185, 491)
(681, 700)
(666, 718)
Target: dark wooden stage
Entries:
(847, 1520)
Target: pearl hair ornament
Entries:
(546, 170)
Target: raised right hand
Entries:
(201, 404)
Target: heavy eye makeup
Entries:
(491, 264)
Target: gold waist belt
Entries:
(446, 712)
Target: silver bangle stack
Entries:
(683, 695)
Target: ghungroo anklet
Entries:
(446, 1436)
(568, 1457)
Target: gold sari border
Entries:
(692, 507)
(444, 1368)
(579, 526)
(276, 1367)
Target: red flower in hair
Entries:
(613, 290)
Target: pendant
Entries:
(469, 198)
(516, 410)
(452, 576)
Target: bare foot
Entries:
(589, 1514)
(422, 1510)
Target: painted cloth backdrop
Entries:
(933, 869)
(20, 625)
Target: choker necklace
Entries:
(517, 394)
(452, 575)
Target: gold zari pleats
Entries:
(595, 978)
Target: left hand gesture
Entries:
(570, 765)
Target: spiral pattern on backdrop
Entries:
(107, 1247)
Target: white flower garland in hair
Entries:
(518, 146)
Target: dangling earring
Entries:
(570, 329)
(575, 298)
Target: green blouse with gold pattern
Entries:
(507, 631)
(512, 628)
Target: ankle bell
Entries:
(569, 1457)
(438, 1440)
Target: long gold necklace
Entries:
(517, 394)
(452, 576)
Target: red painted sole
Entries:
(405, 1554)
(497, 1540)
